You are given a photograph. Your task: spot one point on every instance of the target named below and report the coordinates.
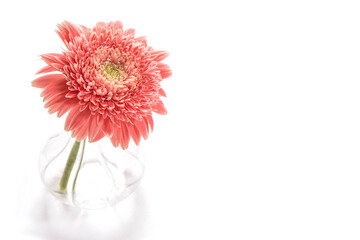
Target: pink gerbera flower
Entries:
(108, 80)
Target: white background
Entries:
(261, 140)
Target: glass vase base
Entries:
(99, 175)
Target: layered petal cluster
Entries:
(107, 80)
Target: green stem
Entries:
(69, 166)
(81, 159)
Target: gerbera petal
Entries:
(159, 108)
(141, 40)
(162, 92)
(93, 128)
(99, 135)
(55, 99)
(142, 127)
(117, 24)
(55, 60)
(72, 94)
(46, 69)
(52, 90)
(68, 31)
(125, 136)
(80, 119)
(64, 107)
(107, 127)
(47, 80)
(134, 133)
(150, 121)
(130, 32)
(165, 70)
(116, 137)
(81, 132)
(71, 116)
(99, 120)
(160, 55)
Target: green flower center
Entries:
(115, 72)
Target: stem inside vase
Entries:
(69, 166)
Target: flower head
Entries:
(107, 79)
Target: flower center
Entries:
(114, 72)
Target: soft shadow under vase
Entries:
(100, 175)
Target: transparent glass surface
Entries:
(101, 176)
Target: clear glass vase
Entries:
(100, 175)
